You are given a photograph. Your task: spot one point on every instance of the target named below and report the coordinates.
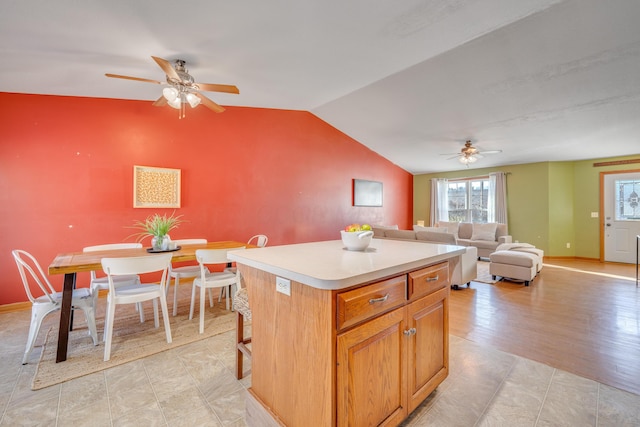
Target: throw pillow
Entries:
(484, 231)
(452, 227)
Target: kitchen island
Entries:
(343, 337)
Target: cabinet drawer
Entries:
(429, 279)
(359, 304)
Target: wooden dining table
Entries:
(71, 263)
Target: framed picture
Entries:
(156, 187)
(367, 193)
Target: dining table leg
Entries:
(65, 316)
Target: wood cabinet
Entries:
(389, 364)
(367, 355)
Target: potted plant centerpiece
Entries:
(158, 227)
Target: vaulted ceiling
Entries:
(540, 80)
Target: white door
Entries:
(621, 216)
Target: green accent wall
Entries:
(549, 203)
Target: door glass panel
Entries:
(627, 203)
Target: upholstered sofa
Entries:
(485, 237)
(466, 268)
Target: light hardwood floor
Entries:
(579, 316)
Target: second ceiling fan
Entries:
(182, 88)
(469, 154)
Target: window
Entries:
(468, 200)
(627, 200)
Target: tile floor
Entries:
(194, 385)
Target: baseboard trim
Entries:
(26, 305)
(16, 306)
(570, 258)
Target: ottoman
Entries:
(514, 265)
(524, 247)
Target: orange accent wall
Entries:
(66, 176)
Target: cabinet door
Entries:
(428, 345)
(371, 372)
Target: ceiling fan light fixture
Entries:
(193, 100)
(175, 103)
(467, 159)
(171, 94)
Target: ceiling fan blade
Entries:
(210, 87)
(209, 103)
(491, 152)
(451, 158)
(167, 68)
(139, 79)
(160, 102)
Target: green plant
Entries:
(156, 225)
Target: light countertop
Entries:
(328, 265)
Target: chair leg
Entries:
(165, 315)
(176, 281)
(241, 345)
(108, 329)
(202, 309)
(141, 310)
(156, 322)
(34, 328)
(89, 314)
(193, 300)
(239, 339)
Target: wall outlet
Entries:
(594, 214)
(568, 245)
(283, 286)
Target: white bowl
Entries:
(356, 240)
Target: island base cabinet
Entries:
(390, 364)
(428, 345)
(371, 373)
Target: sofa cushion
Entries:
(480, 244)
(501, 230)
(378, 230)
(484, 231)
(451, 227)
(436, 237)
(423, 228)
(400, 234)
(465, 230)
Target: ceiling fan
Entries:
(182, 88)
(469, 154)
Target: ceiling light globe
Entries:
(170, 94)
(193, 100)
(175, 103)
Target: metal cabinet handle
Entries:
(432, 279)
(411, 331)
(381, 299)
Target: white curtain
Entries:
(439, 201)
(497, 209)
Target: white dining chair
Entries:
(135, 293)
(102, 283)
(209, 280)
(184, 271)
(49, 301)
(260, 240)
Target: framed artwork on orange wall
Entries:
(367, 193)
(156, 187)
